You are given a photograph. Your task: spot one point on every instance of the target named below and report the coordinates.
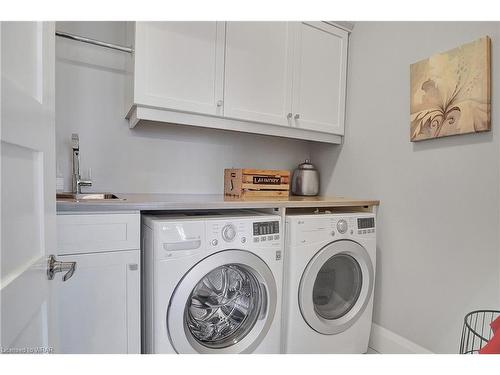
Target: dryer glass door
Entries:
(336, 286)
(224, 304)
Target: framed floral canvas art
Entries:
(450, 92)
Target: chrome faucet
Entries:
(77, 181)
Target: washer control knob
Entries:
(228, 232)
(342, 226)
(214, 242)
(243, 239)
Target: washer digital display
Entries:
(366, 222)
(266, 227)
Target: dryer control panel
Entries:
(314, 228)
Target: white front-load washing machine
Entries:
(329, 282)
(212, 283)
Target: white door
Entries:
(28, 222)
(336, 287)
(98, 308)
(258, 72)
(224, 304)
(319, 82)
(180, 66)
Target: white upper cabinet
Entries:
(319, 79)
(258, 72)
(180, 66)
(240, 76)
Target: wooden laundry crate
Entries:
(247, 183)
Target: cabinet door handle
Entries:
(289, 115)
(54, 266)
(297, 116)
(219, 103)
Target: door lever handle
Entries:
(54, 266)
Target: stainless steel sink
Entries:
(88, 196)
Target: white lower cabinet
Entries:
(97, 310)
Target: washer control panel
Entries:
(245, 233)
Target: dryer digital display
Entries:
(366, 222)
(266, 227)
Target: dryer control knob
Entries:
(342, 226)
(228, 232)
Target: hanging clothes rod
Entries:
(94, 42)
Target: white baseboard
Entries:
(387, 342)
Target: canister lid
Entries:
(306, 165)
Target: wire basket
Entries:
(476, 331)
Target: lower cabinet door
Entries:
(98, 308)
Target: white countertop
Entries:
(147, 202)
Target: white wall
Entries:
(438, 223)
(90, 88)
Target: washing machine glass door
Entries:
(224, 304)
(336, 287)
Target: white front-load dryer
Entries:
(329, 282)
(212, 283)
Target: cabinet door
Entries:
(319, 81)
(27, 172)
(180, 66)
(98, 308)
(258, 71)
